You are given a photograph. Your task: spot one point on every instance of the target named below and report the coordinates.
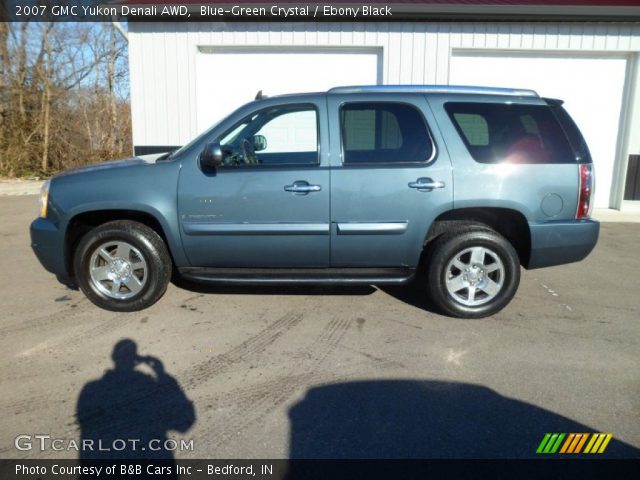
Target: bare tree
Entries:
(4, 68)
(63, 96)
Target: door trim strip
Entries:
(378, 228)
(202, 228)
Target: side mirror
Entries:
(259, 143)
(211, 157)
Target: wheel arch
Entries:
(508, 222)
(81, 223)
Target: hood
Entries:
(128, 162)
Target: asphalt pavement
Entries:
(321, 372)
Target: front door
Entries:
(391, 177)
(268, 204)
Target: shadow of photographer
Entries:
(127, 413)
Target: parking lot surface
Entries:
(322, 372)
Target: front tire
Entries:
(472, 273)
(122, 266)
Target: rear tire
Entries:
(472, 273)
(122, 266)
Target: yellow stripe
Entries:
(567, 442)
(574, 443)
(605, 443)
(582, 440)
(591, 442)
(594, 449)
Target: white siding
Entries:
(163, 74)
(162, 56)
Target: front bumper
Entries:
(557, 243)
(47, 242)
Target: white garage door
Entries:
(229, 78)
(592, 89)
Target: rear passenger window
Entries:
(384, 132)
(508, 133)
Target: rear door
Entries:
(390, 178)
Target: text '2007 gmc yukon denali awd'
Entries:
(354, 185)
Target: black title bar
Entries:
(102, 10)
(317, 469)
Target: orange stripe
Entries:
(584, 439)
(574, 443)
(567, 442)
(605, 443)
(596, 445)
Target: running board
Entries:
(284, 276)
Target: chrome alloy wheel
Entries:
(118, 270)
(474, 276)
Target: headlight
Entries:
(44, 199)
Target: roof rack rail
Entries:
(521, 92)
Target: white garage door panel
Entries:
(227, 80)
(591, 88)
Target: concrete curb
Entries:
(20, 187)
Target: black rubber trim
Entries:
(150, 149)
(320, 276)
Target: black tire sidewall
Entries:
(449, 245)
(150, 246)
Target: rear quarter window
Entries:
(510, 133)
(572, 131)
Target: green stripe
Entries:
(543, 443)
(550, 443)
(557, 445)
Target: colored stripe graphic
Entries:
(598, 443)
(581, 443)
(543, 443)
(567, 443)
(574, 443)
(550, 443)
(605, 442)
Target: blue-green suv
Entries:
(357, 185)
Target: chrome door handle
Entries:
(302, 188)
(426, 184)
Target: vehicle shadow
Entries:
(414, 294)
(127, 414)
(399, 419)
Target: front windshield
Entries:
(199, 138)
(194, 141)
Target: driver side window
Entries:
(282, 135)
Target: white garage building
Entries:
(185, 76)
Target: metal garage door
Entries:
(229, 77)
(592, 89)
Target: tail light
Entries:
(587, 186)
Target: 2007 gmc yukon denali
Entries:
(356, 185)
